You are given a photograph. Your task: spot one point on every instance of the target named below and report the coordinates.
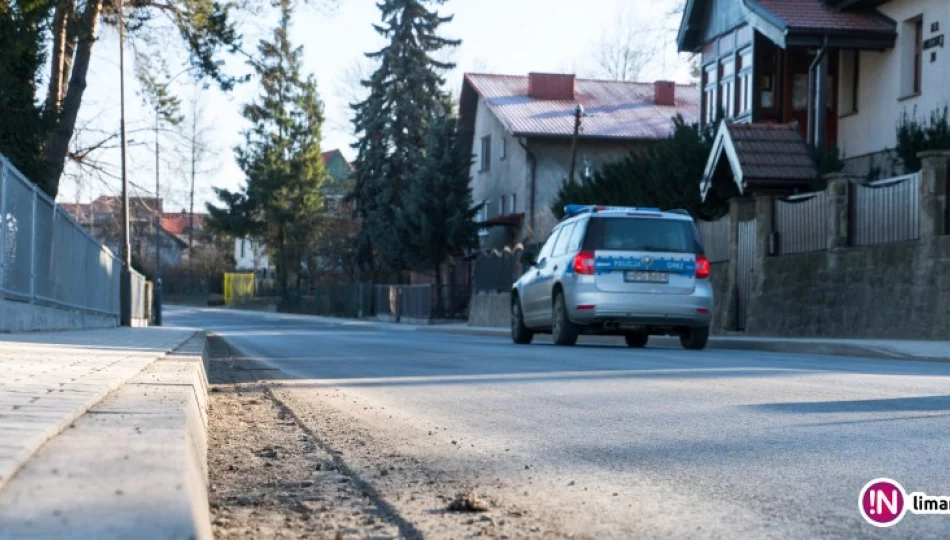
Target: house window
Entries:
(504, 147)
(727, 88)
(514, 203)
(918, 54)
(502, 205)
(486, 153)
(710, 105)
(848, 85)
(242, 247)
(912, 63)
(800, 91)
(745, 81)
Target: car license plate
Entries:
(639, 276)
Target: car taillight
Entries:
(584, 263)
(702, 267)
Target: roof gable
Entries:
(851, 23)
(761, 157)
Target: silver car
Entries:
(634, 272)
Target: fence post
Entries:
(33, 249)
(934, 191)
(3, 217)
(839, 210)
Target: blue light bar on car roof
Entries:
(574, 209)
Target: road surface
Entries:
(604, 441)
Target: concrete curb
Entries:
(134, 466)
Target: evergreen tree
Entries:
(281, 157)
(665, 175)
(22, 56)
(405, 94)
(437, 220)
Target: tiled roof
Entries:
(328, 155)
(760, 157)
(815, 15)
(178, 224)
(772, 153)
(617, 110)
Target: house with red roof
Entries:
(522, 133)
(842, 72)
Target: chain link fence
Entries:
(47, 258)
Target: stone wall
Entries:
(490, 310)
(899, 290)
(719, 279)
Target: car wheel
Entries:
(695, 339)
(563, 330)
(636, 340)
(519, 333)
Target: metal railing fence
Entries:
(715, 238)
(885, 211)
(496, 272)
(413, 301)
(47, 258)
(801, 222)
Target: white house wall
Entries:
(512, 175)
(506, 176)
(554, 165)
(880, 105)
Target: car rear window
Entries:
(642, 234)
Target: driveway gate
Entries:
(745, 268)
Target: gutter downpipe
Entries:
(533, 163)
(814, 85)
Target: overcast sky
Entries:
(498, 36)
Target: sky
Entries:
(498, 36)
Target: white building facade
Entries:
(877, 88)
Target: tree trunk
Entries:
(54, 95)
(57, 143)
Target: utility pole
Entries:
(125, 286)
(157, 304)
(578, 114)
(191, 210)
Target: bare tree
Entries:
(198, 155)
(627, 49)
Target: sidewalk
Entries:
(68, 402)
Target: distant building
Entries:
(521, 129)
(251, 255)
(103, 218)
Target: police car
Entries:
(634, 272)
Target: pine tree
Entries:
(405, 94)
(281, 157)
(437, 220)
(665, 175)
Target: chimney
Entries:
(664, 93)
(551, 86)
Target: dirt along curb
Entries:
(133, 466)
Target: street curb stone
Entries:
(133, 466)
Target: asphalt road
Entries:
(643, 443)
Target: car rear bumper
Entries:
(691, 310)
